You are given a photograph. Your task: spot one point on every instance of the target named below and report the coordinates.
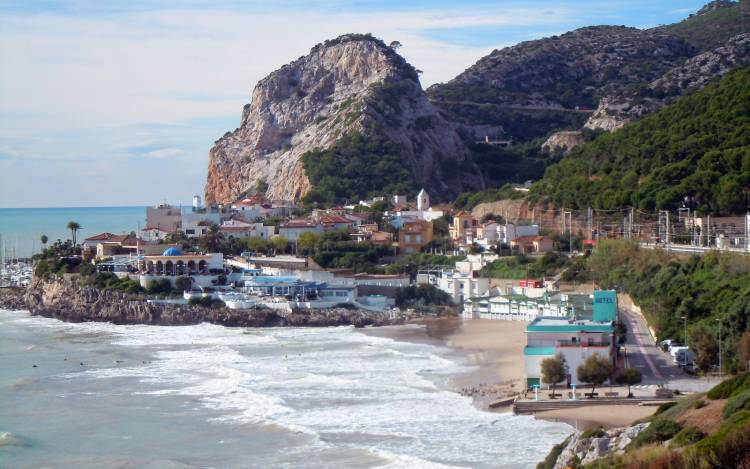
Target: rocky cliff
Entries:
(70, 300)
(633, 103)
(354, 83)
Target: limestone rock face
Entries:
(616, 110)
(589, 449)
(354, 83)
(565, 140)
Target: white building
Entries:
(517, 307)
(198, 223)
(294, 228)
(573, 338)
(459, 285)
(242, 229)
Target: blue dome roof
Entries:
(172, 252)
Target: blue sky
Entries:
(118, 103)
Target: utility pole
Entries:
(719, 338)
(590, 222)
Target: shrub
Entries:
(699, 404)
(725, 389)
(87, 269)
(659, 430)
(206, 302)
(596, 432)
(41, 269)
(551, 459)
(686, 437)
(738, 401)
(664, 407)
(156, 287)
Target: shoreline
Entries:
(491, 347)
(495, 349)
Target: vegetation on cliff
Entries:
(697, 148)
(357, 167)
(691, 434)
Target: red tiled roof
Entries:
(298, 224)
(334, 219)
(101, 237)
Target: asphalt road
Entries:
(642, 352)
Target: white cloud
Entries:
(85, 89)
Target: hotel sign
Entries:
(605, 305)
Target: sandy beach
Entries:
(607, 416)
(496, 349)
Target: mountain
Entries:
(634, 102)
(351, 112)
(713, 25)
(695, 151)
(534, 88)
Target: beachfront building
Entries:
(575, 339)
(519, 307)
(460, 285)
(204, 269)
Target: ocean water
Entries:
(21, 228)
(207, 396)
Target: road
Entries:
(654, 364)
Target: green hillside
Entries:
(699, 148)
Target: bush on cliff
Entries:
(727, 387)
(206, 302)
(422, 295)
(659, 430)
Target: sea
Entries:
(21, 228)
(97, 395)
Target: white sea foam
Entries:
(342, 387)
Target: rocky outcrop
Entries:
(71, 300)
(354, 83)
(616, 110)
(715, 5)
(564, 141)
(12, 298)
(587, 449)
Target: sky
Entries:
(118, 103)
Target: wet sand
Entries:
(494, 347)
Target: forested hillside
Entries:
(698, 148)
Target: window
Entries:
(340, 293)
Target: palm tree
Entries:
(73, 227)
(44, 240)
